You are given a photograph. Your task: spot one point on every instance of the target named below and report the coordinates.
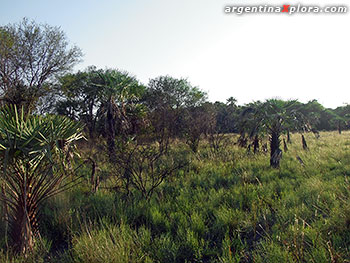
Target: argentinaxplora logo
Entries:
(285, 9)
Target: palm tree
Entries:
(34, 152)
(121, 93)
(272, 117)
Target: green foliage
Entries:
(34, 154)
(30, 56)
(169, 100)
(273, 117)
(107, 101)
(169, 92)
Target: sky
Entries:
(249, 57)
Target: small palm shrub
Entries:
(35, 157)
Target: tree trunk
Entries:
(94, 178)
(339, 127)
(22, 230)
(256, 144)
(276, 153)
(27, 237)
(285, 147)
(303, 142)
(288, 137)
(5, 216)
(110, 133)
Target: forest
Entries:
(99, 167)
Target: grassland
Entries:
(227, 206)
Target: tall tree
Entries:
(197, 121)
(167, 98)
(31, 55)
(120, 97)
(227, 116)
(81, 95)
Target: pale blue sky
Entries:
(250, 57)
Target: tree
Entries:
(272, 117)
(34, 154)
(249, 128)
(167, 98)
(81, 95)
(197, 121)
(31, 55)
(227, 116)
(166, 91)
(120, 95)
(344, 113)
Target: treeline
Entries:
(105, 98)
(116, 107)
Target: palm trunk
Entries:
(288, 137)
(27, 238)
(110, 133)
(285, 145)
(276, 153)
(304, 142)
(256, 144)
(25, 223)
(5, 216)
(339, 127)
(22, 232)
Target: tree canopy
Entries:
(31, 55)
